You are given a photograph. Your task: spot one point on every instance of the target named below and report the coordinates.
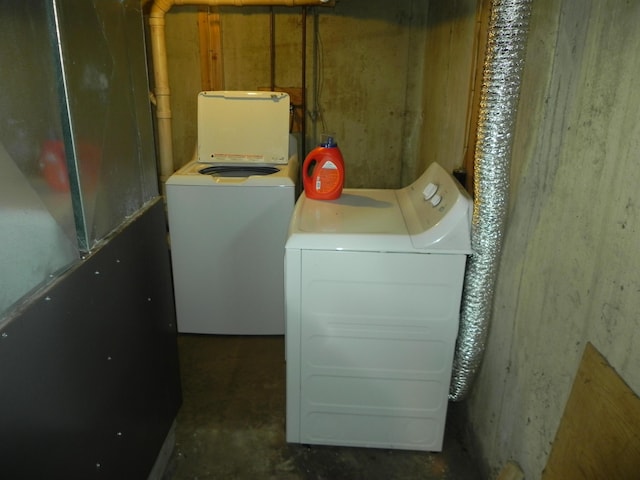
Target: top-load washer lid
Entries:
(432, 215)
(243, 127)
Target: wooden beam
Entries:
(210, 35)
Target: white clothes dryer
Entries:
(373, 283)
(228, 212)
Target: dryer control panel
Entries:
(437, 211)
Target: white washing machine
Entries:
(373, 282)
(228, 212)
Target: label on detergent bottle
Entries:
(327, 178)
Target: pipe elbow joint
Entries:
(160, 8)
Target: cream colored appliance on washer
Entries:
(373, 283)
(228, 215)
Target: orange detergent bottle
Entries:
(323, 171)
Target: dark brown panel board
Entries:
(89, 378)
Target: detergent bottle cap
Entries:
(328, 140)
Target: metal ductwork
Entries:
(507, 35)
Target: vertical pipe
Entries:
(272, 48)
(162, 95)
(303, 89)
(508, 27)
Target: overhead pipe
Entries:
(507, 35)
(162, 96)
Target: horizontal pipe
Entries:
(162, 92)
(165, 5)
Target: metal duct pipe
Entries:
(508, 27)
(162, 96)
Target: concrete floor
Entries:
(231, 424)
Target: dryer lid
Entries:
(243, 127)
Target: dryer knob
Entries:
(429, 191)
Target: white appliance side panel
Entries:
(292, 271)
(377, 338)
(227, 247)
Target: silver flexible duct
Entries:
(508, 27)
